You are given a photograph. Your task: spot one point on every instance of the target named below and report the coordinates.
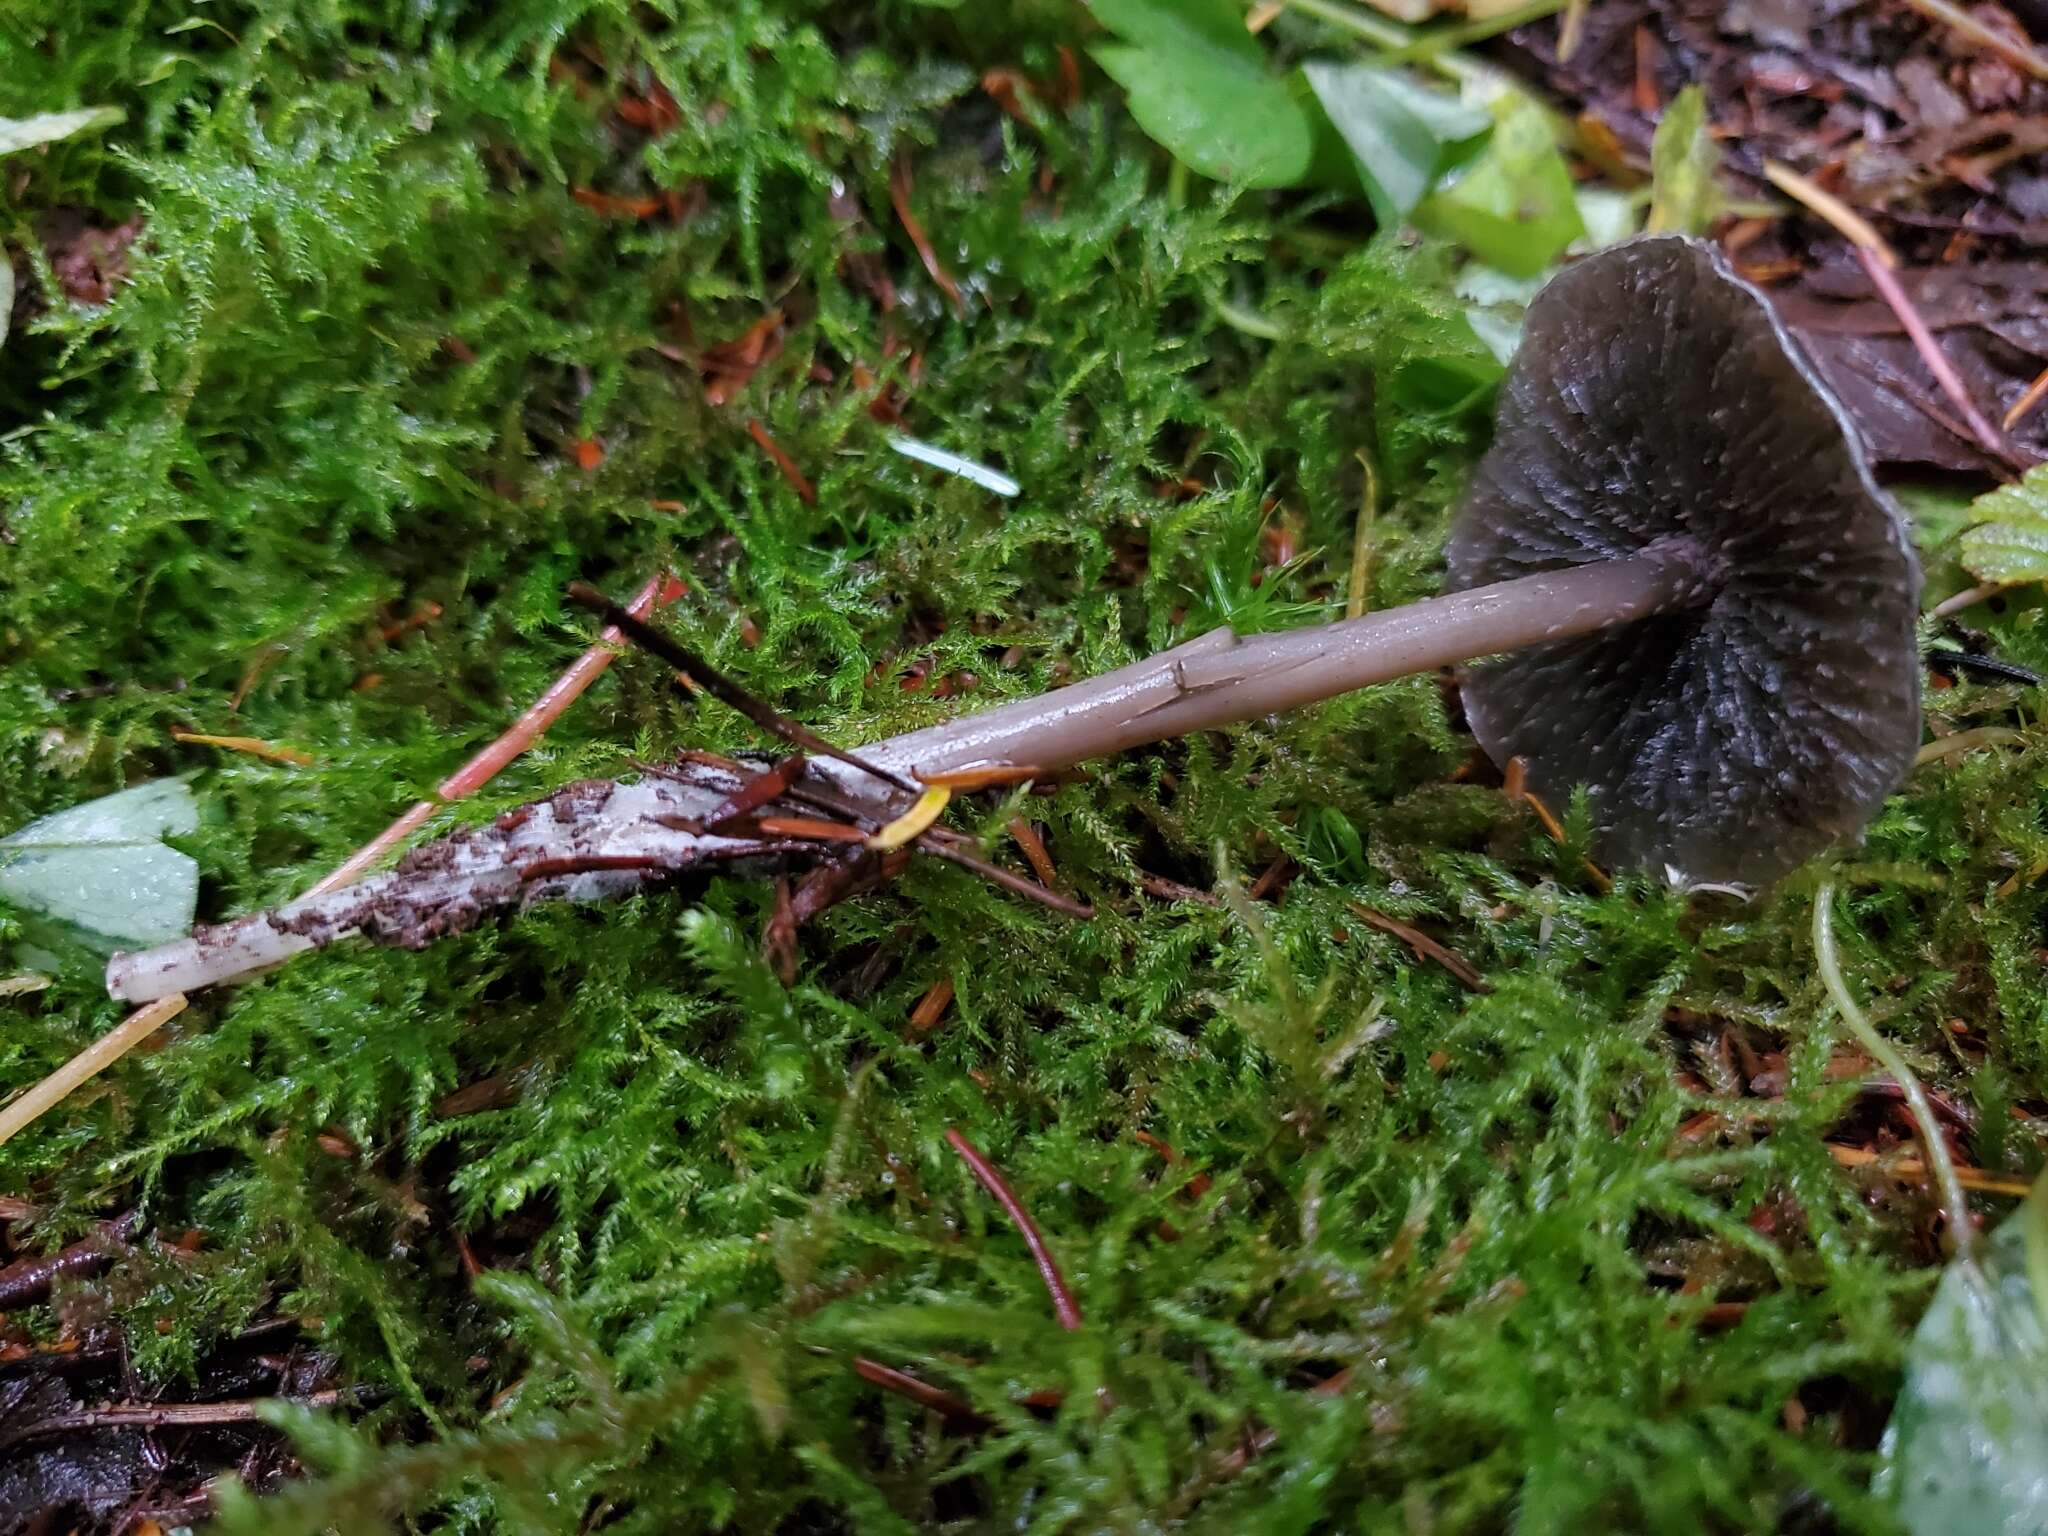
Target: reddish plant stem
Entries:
(2032, 396)
(1035, 853)
(1887, 284)
(783, 462)
(923, 1393)
(756, 792)
(1422, 944)
(899, 197)
(1064, 1307)
(661, 590)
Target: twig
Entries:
(1990, 39)
(955, 852)
(1967, 741)
(783, 462)
(899, 197)
(1951, 383)
(923, 1393)
(1063, 1305)
(1515, 786)
(811, 829)
(1361, 540)
(1163, 889)
(756, 792)
(723, 688)
(467, 780)
(1270, 879)
(1033, 846)
(1571, 29)
(176, 1415)
(254, 746)
(661, 590)
(932, 1006)
(94, 1059)
(1879, 261)
(1424, 946)
(1845, 220)
(1934, 1146)
(1914, 1168)
(988, 776)
(2030, 397)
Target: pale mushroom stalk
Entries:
(1221, 679)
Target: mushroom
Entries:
(1702, 605)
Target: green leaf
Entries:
(2009, 539)
(1404, 135)
(1684, 197)
(1967, 1447)
(101, 867)
(1199, 85)
(1512, 207)
(18, 133)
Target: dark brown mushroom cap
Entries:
(1656, 395)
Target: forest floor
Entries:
(1406, 1173)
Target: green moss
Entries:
(364, 326)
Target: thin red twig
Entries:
(899, 195)
(932, 1006)
(783, 462)
(2032, 396)
(1063, 1304)
(661, 590)
(1035, 854)
(923, 1393)
(1424, 946)
(1887, 284)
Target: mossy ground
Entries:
(363, 332)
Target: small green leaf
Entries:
(1198, 83)
(1404, 135)
(1967, 1447)
(1684, 197)
(102, 868)
(18, 133)
(2009, 539)
(1512, 207)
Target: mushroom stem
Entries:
(1219, 679)
(1214, 680)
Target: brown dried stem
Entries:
(1064, 1307)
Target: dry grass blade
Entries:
(1955, 1206)
(88, 1063)
(2013, 50)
